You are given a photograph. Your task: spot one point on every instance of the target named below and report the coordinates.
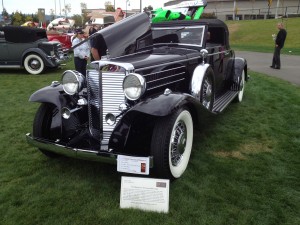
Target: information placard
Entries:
(145, 193)
(136, 165)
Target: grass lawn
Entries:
(256, 35)
(244, 168)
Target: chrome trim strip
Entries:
(7, 66)
(166, 84)
(163, 78)
(179, 67)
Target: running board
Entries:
(223, 101)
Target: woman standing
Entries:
(81, 52)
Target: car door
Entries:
(3, 49)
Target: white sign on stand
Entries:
(145, 193)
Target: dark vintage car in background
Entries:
(138, 105)
(29, 48)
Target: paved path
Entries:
(260, 62)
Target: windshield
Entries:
(183, 35)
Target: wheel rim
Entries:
(178, 143)
(181, 144)
(207, 93)
(34, 64)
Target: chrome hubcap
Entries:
(35, 64)
(178, 142)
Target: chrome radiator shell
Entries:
(105, 94)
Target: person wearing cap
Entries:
(81, 52)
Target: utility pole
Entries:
(234, 10)
(276, 14)
(59, 8)
(55, 9)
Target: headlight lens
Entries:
(134, 86)
(72, 82)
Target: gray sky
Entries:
(31, 6)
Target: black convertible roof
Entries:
(23, 34)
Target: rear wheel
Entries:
(239, 97)
(44, 125)
(172, 144)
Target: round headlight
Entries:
(134, 86)
(72, 82)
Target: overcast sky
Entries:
(31, 6)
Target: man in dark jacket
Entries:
(279, 43)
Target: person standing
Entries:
(81, 52)
(98, 46)
(92, 30)
(279, 43)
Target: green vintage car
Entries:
(29, 48)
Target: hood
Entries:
(127, 36)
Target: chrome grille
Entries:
(113, 96)
(103, 99)
(165, 77)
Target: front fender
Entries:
(136, 125)
(240, 64)
(162, 105)
(166, 104)
(50, 94)
(197, 79)
(48, 61)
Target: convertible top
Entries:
(23, 34)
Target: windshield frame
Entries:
(182, 29)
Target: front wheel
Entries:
(171, 144)
(44, 125)
(34, 64)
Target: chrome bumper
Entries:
(85, 154)
(71, 152)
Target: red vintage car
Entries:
(63, 38)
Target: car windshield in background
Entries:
(182, 35)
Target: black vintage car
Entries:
(29, 48)
(139, 105)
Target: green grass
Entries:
(244, 168)
(255, 35)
